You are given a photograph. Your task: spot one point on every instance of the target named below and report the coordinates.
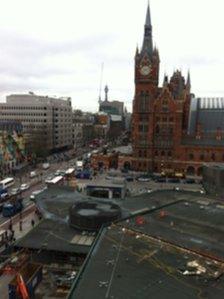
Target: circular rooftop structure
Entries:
(91, 215)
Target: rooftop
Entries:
(175, 251)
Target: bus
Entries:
(58, 180)
(8, 182)
(70, 173)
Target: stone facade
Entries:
(44, 119)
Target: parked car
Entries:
(190, 181)
(129, 178)
(174, 180)
(24, 187)
(143, 179)
(160, 180)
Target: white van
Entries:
(33, 174)
(45, 166)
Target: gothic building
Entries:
(172, 130)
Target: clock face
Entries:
(145, 70)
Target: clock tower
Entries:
(146, 91)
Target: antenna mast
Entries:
(101, 79)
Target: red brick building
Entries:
(107, 161)
(172, 130)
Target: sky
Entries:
(57, 47)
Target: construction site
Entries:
(166, 244)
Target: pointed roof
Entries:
(148, 17)
(188, 79)
(147, 46)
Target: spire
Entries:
(188, 80)
(147, 41)
(165, 80)
(148, 17)
(137, 51)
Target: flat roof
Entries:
(105, 184)
(173, 252)
(53, 235)
(127, 264)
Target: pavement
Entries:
(21, 223)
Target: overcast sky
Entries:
(56, 47)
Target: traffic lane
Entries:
(54, 166)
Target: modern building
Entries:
(11, 126)
(116, 113)
(111, 107)
(46, 121)
(171, 128)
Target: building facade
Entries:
(82, 128)
(171, 129)
(12, 151)
(46, 121)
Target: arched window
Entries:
(157, 129)
(190, 170)
(191, 156)
(200, 171)
(202, 157)
(144, 101)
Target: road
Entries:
(38, 182)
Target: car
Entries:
(160, 180)
(49, 179)
(173, 180)
(124, 170)
(24, 187)
(35, 193)
(108, 177)
(190, 181)
(129, 179)
(45, 166)
(15, 191)
(143, 179)
(33, 174)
